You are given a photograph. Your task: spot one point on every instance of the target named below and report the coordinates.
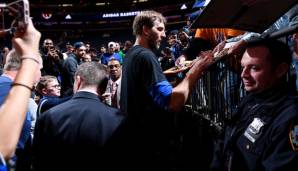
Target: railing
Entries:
(217, 93)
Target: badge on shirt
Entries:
(293, 135)
(253, 129)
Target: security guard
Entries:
(263, 133)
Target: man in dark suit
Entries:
(71, 136)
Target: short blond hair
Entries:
(146, 18)
(43, 82)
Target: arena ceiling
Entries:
(90, 13)
(104, 5)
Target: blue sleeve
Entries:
(53, 101)
(118, 57)
(161, 94)
(103, 60)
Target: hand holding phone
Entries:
(27, 43)
(53, 53)
(14, 15)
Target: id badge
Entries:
(253, 129)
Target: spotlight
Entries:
(68, 17)
(183, 7)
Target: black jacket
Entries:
(258, 136)
(72, 135)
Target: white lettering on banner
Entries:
(122, 14)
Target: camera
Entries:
(14, 16)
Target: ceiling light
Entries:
(68, 17)
(100, 4)
(67, 5)
(183, 7)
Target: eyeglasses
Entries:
(56, 86)
(112, 66)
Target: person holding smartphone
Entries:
(26, 43)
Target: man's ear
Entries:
(102, 86)
(146, 30)
(281, 70)
(78, 83)
(44, 91)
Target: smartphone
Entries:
(14, 15)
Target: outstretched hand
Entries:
(237, 48)
(219, 48)
(204, 60)
(200, 64)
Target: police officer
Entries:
(262, 134)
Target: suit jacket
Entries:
(72, 135)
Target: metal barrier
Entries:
(217, 93)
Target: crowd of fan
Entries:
(61, 73)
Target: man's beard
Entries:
(295, 45)
(152, 43)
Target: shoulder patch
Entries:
(293, 135)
